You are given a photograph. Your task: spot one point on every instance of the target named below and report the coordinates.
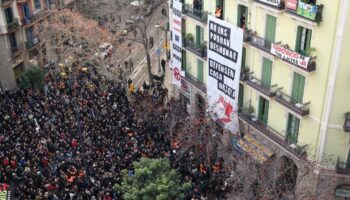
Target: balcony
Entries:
(30, 20)
(16, 51)
(346, 126)
(21, 1)
(266, 89)
(309, 12)
(278, 5)
(294, 58)
(6, 3)
(200, 50)
(273, 135)
(343, 167)
(195, 82)
(30, 44)
(258, 42)
(13, 26)
(196, 14)
(299, 108)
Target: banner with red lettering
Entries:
(290, 56)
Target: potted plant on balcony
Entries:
(311, 52)
(188, 39)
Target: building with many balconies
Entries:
(292, 96)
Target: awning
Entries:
(254, 148)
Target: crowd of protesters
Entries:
(71, 140)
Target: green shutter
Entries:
(263, 110)
(240, 95)
(298, 40)
(200, 70)
(270, 28)
(183, 64)
(239, 15)
(298, 88)
(293, 128)
(267, 71)
(308, 40)
(198, 35)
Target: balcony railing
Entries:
(15, 51)
(343, 167)
(346, 126)
(5, 3)
(306, 11)
(30, 20)
(194, 81)
(21, 1)
(279, 5)
(298, 107)
(196, 14)
(292, 148)
(259, 42)
(32, 43)
(244, 74)
(200, 51)
(267, 89)
(13, 26)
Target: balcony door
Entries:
(9, 15)
(219, 10)
(240, 96)
(29, 33)
(298, 88)
(266, 72)
(242, 16)
(293, 124)
(200, 70)
(263, 110)
(197, 5)
(303, 40)
(13, 41)
(270, 31)
(199, 36)
(184, 60)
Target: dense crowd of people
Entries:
(71, 140)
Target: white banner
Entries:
(272, 2)
(224, 68)
(176, 44)
(290, 56)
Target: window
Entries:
(219, 9)
(293, 128)
(200, 70)
(26, 10)
(303, 40)
(243, 58)
(313, 2)
(298, 88)
(263, 110)
(197, 5)
(9, 15)
(242, 16)
(266, 72)
(37, 4)
(270, 30)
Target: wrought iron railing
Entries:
(197, 14)
(295, 105)
(266, 88)
(199, 50)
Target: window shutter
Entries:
(200, 70)
(298, 40)
(267, 69)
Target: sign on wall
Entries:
(290, 56)
(292, 4)
(176, 44)
(224, 67)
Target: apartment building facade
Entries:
(21, 21)
(293, 81)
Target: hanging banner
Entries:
(291, 5)
(272, 2)
(224, 67)
(176, 44)
(290, 56)
(307, 10)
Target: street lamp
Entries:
(166, 40)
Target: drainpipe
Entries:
(343, 14)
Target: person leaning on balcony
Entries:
(218, 12)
